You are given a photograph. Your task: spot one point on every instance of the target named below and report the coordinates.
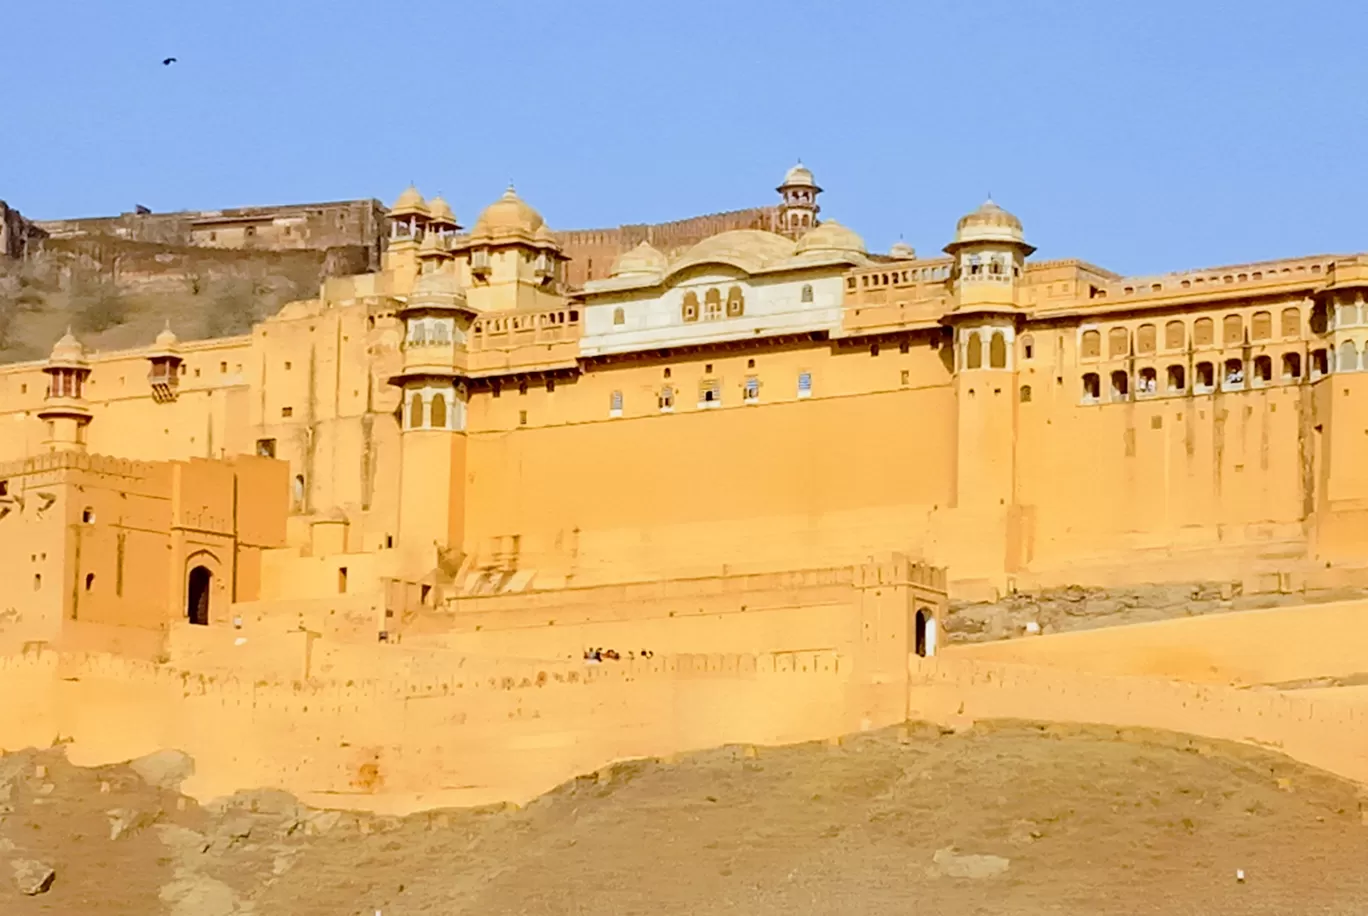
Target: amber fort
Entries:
(373, 551)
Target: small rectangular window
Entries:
(341, 580)
(266, 448)
(522, 418)
(804, 384)
(287, 411)
(752, 389)
(615, 405)
(223, 368)
(666, 399)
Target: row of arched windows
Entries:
(1176, 335)
(997, 351)
(712, 304)
(1235, 374)
(433, 410)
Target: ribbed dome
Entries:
(67, 350)
(166, 340)
(799, 175)
(441, 211)
(643, 259)
(409, 202)
(830, 236)
(989, 223)
(437, 287)
(508, 214)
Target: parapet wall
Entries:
(1314, 730)
(453, 739)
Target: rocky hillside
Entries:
(1005, 819)
(118, 294)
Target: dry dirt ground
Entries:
(1008, 818)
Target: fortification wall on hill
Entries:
(1252, 647)
(453, 739)
(1318, 731)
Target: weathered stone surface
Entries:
(950, 864)
(128, 821)
(165, 769)
(32, 877)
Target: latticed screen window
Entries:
(752, 389)
(709, 393)
(804, 384)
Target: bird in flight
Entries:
(168, 61)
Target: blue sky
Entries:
(1141, 136)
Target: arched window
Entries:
(1320, 318)
(712, 305)
(1120, 385)
(1145, 338)
(1320, 363)
(1291, 366)
(1348, 357)
(619, 317)
(806, 295)
(1027, 346)
(997, 351)
(1147, 382)
(438, 419)
(690, 310)
(919, 629)
(1025, 394)
(1261, 326)
(1291, 323)
(1174, 338)
(1232, 330)
(418, 332)
(297, 493)
(1176, 378)
(1202, 330)
(1092, 387)
(1118, 342)
(1091, 346)
(1205, 378)
(416, 411)
(1263, 369)
(973, 356)
(1234, 373)
(736, 303)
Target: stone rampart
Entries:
(1317, 731)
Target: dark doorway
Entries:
(921, 632)
(197, 603)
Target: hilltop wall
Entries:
(457, 739)
(1315, 730)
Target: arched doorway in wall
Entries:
(920, 642)
(197, 595)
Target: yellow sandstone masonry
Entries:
(485, 518)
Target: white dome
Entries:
(641, 260)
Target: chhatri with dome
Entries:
(487, 417)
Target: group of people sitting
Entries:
(594, 656)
